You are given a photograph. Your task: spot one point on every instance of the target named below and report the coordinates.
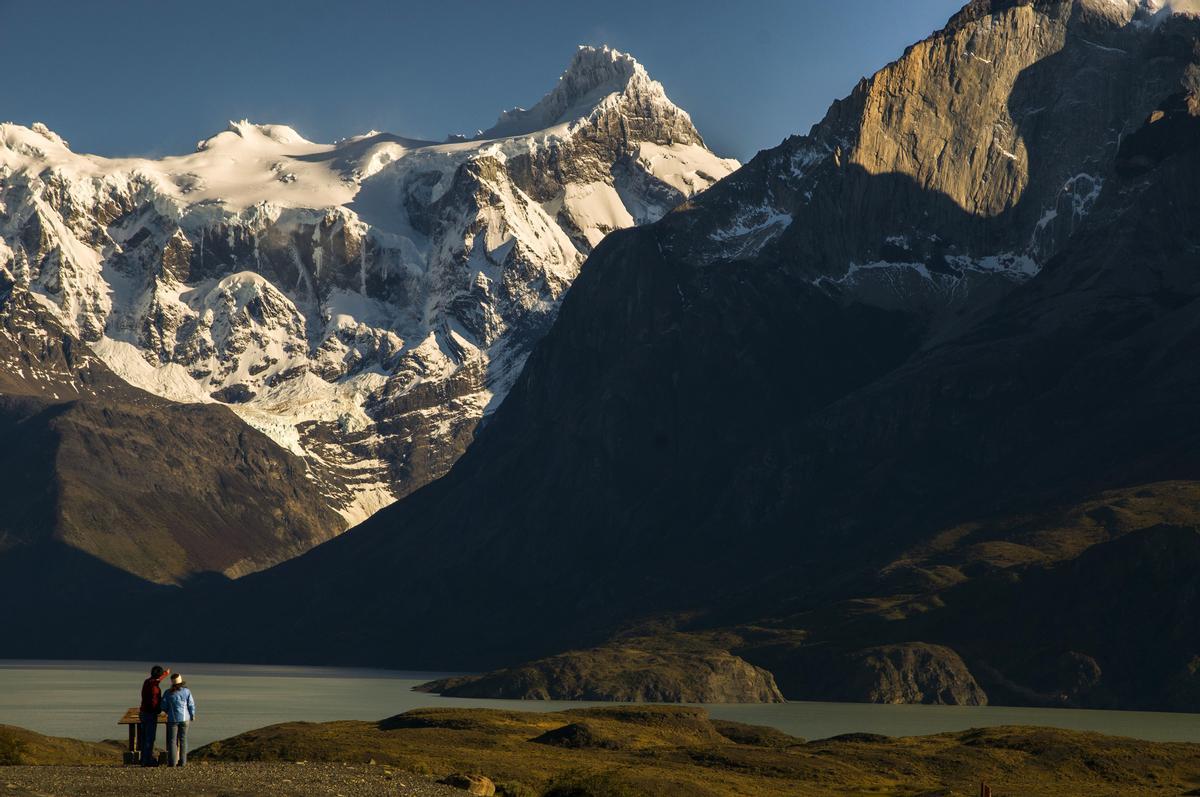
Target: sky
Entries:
(153, 77)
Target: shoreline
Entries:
(237, 698)
(629, 750)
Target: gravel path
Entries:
(219, 780)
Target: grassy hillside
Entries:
(669, 750)
(20, 746)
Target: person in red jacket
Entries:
(148, 713)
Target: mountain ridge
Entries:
(722, 433)
(902, 410)
(384, 265)
(364, 304)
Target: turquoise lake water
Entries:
(84, 700)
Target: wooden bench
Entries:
(134, 721)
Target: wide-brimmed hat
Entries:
(177, 679)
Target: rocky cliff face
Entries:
(961, 169)
(365, 303)
(908, 672)
(966, 299)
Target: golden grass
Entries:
(20, 746)
(662, 750)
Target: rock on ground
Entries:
(472, 784)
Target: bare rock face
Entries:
(965, 166)
(480, 785)
(364, 304)
(822, 664)
(624, 673)
(912, 673)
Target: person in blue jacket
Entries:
(181, 709)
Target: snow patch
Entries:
(170, 381)
(1008, 264)
(805, 157)
(595, 209)
(688, 168)
(749, 231)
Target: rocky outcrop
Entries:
(910, 673)
(827, 667)
(480, 785)
(663, 670)
(625, 673)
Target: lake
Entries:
(85, 699)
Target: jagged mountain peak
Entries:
(594, 74)
(594, 68)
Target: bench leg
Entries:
(132, 738)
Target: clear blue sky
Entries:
(153, 77)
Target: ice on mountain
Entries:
(328, 277)
(748, 232)
(49, 134)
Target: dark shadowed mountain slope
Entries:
(881, 413)
(155, 489)
(965, 300)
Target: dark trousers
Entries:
(149, 723)
(177, 743)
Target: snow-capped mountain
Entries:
(808, 403)
(363, 303)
